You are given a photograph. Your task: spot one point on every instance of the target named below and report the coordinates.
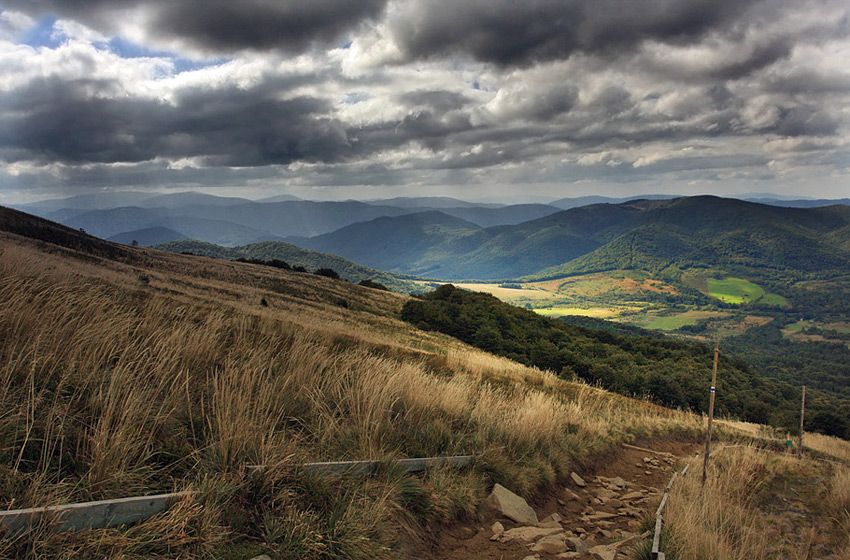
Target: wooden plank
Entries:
(108, 513)
(90, 515)
(672, 480)
(656, 540)
(366, 467)
(661, 505)
(685, 470)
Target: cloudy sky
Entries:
(471, 98)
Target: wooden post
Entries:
(802, 417)
(710, 413)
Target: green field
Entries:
(739, 290)
(773, 300)
(671, 323)
(734, 290)
(597, 312)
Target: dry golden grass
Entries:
(167, 373)
(757, 505)
(837, 448)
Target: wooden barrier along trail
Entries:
(108, 513)
(90, 515)
(656, 539)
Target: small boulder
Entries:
(510, 505)
(577, 480)
(603, 552)
(528, 534)
(497, 529)
(619, 482)
(576, 544)
(551, 521)
(604, 494)
(553, 544)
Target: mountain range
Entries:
(650, 235)
(151, 218)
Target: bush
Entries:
(327, 273)
(372, 284)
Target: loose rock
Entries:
(497, 529)
(579, 481)
(528, 534)
(510, 505)
(553, 544)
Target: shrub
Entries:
(327, 273)
(372, 284)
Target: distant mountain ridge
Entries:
(234, 221)
(292, 255)
(645, 234)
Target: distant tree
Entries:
(372, 284)
(327, 273)
(134, 243)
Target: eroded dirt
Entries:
(603, 511)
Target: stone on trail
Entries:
(632, 496)
(553, 544)
(579, 481)
(510, 505)
(619, 482)
(551, 521)
(497, 529)
(576, 544)
(604, 494)
(601, 516)
(603, 552)
(528, 534)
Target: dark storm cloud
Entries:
(222, 25)
(805, 121)
(508, 33)
(60, 120)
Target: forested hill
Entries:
(295, 256)
(651, 235)
(716, 232)
(670, 372)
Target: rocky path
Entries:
(595, 515)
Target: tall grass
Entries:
(758, 505)
(115, 385)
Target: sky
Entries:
(478, 99)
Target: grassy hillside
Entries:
(671, 372)
(131, 371)
(292, 255)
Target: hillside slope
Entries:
(292, 255)
(726, 233)
(130, 371)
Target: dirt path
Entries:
(617, 494)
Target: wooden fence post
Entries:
(710, 413)
(802, 416)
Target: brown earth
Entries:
(644, 472)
